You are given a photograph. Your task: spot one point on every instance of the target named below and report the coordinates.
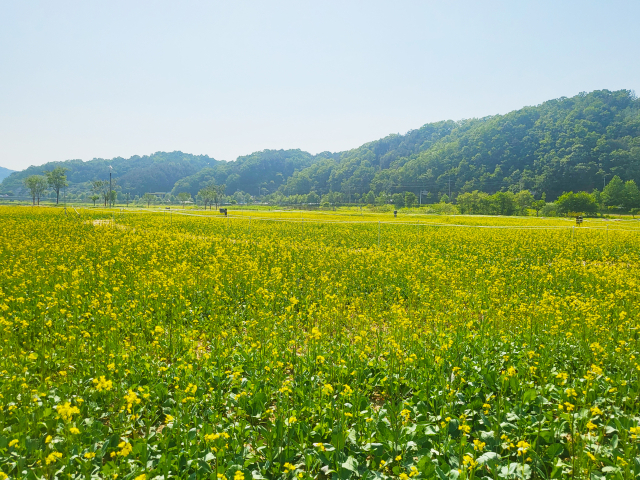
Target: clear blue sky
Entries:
(89, 79)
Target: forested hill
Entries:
(567, 144)
(4, 172)
(135, 175)
(259, 173)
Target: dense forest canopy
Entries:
(258, 173)
(136, 175)
(562, 145)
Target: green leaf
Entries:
(547, 436)
(204, 466)
(428, 430)
(509, 471)
(441, 474)
(611, 469)
(351, 464)
(426, 466)
(488, 458)
(529, 396)
(453, 428)
(513, 383)
(554, 450)
(323, 458)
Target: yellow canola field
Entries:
(316, 345)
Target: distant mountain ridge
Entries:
(136, 175)
(4, 173)
(567, 144)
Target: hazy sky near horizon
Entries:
(85, 79)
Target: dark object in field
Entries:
(395, 214)
(578, 220)
(223, 210)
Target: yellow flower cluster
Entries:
(102, 384)
(214, 436)
(66, 411)
(53, 457)
(125, 449)
(131, 399)
(366, 341)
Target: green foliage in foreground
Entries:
(182, 347)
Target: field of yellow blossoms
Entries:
(163, 345)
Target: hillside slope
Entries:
(264, 172)
(4, 173)
(567, 144)
(135, 175)
(561, 145)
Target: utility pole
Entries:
(604, 180)
(110, 168)
(449, 186)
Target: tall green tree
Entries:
(101, 187)
(149, 198)
(577, 203)
(473, 203)
(219, 193)
(313, 198)
(57, 179)
(206, 196)
(37, 185)
(631, 195)
(410, 199)
(211, 194)
(383, 198)
(370, 198)
(505, 203)
(398, 200)
(538, 205)
(613, 194)
(525, 200)
(183, 197)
